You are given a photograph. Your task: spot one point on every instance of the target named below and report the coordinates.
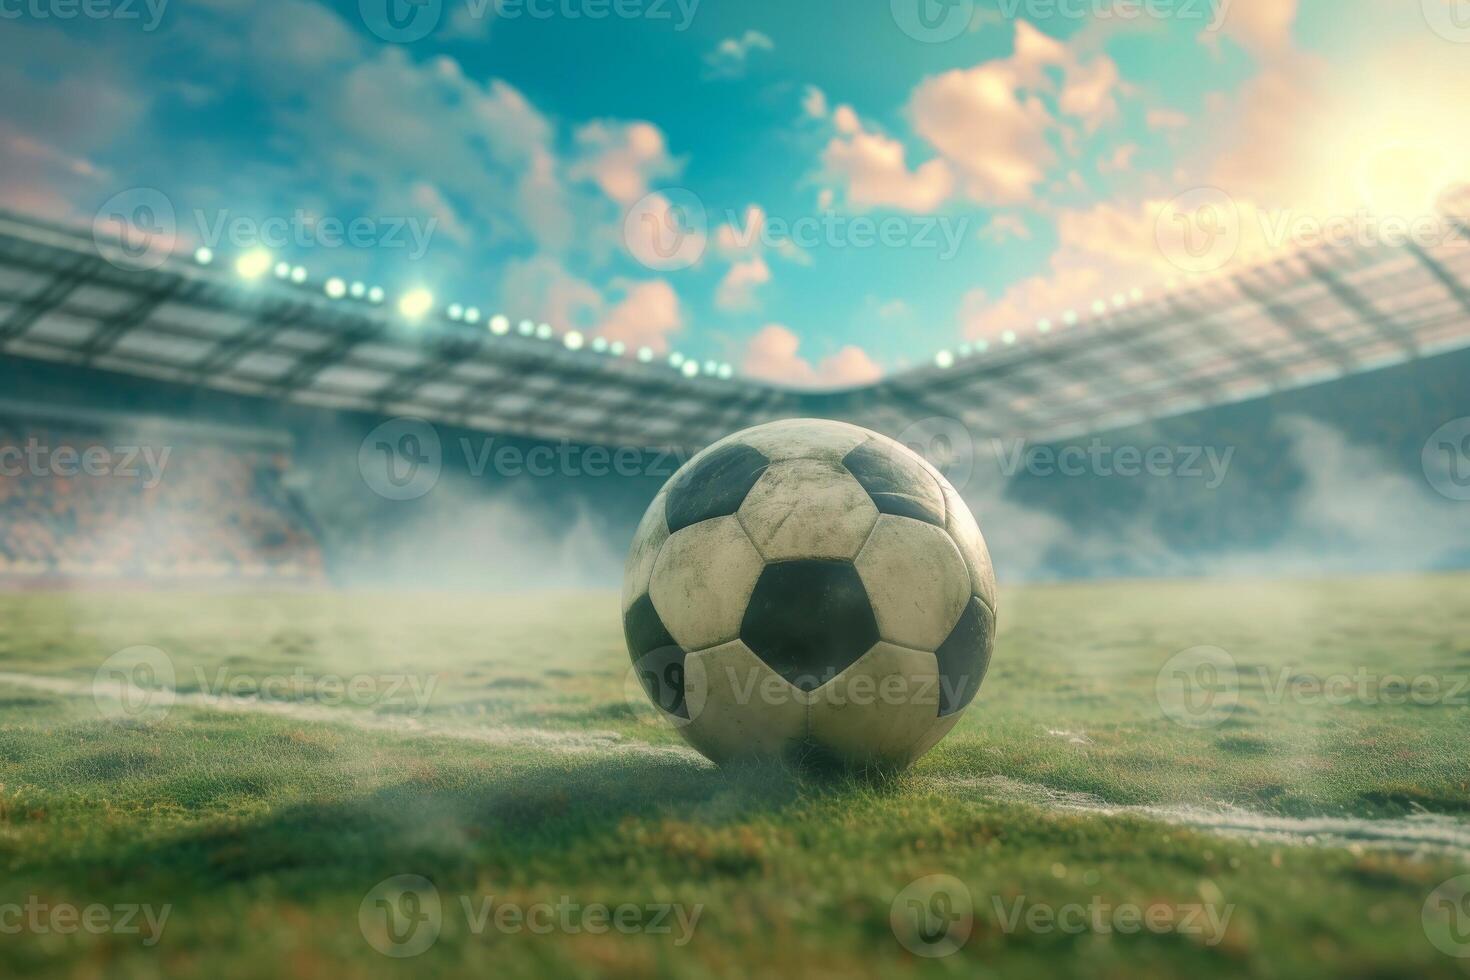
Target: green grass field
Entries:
(490, 746)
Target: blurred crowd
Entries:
(92, 505)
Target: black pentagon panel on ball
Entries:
(898, 484)
(964, 657)
(657, 659)
(715, 486)
(809, 620)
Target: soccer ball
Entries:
(810, 590)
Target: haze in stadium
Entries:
(697, 488)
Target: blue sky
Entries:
(908, 191)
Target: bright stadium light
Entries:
(726, 372)
(1099, 307)
(710, 367)
(472, 315)
(944, 359)
(526, 328)
(690, 369)
(204, 255)
(456, 312)
(375, 295)
(357, 290)
(335, 288)
(1070, 318)
(645, 354)
(415, 303)
(499, 325)
(573, 340)
(1008, 338)
(618, 348)
(298, 274)
(283, 270)
(599, 344)
(543, 332)
(254, 264)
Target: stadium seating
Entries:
(141, 509)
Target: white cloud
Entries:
(1262, 27)
(622, 158)
(773, 354)
(542, 289)
(873, 170)
(646, 316)
(731, 57)
(1166, 119)
(814, 102)
(737, 291)
(991, 124)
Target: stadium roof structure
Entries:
(1308, 317)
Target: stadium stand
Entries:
(1369, 345)
(117, 499)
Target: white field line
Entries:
(1416, 833)
(504, 736)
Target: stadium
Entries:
(313, 661)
